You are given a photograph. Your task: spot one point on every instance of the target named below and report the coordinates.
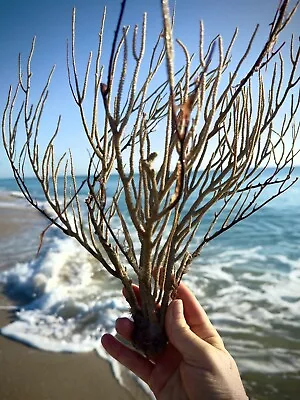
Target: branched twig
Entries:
(192, 153)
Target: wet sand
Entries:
(31, 374)
(27, 373)
(13, 219)
(20, 229)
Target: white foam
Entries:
(13, 204)
(68, 309)
(252, 301)
(72, 301)
(63, 296)
(17, 194)
(9, 308)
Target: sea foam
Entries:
(251, 293)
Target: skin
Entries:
(195, 363)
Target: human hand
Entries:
(195, 363)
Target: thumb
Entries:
(180, 334)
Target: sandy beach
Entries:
(27, 373)
(13, 219)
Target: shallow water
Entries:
(248, 281)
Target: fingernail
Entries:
(177, 308)
(105, 339)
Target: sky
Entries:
(50, 22)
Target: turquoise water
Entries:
(248, 280)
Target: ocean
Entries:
(248, 281)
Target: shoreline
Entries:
(20, 227)
(29, 373)
(38, 375)
(14, 213)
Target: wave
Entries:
(67, 307)
(67, 301)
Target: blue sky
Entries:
(50, 21)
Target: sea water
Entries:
(248, 281)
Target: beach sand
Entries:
(13, 219)
(20, 228)
(31, 374)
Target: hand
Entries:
(195, 363)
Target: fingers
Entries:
(125, 327)
(180, 334)
(127, 357)
(193, 311)
(197, 318)
(165, 363)
(136, 292)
